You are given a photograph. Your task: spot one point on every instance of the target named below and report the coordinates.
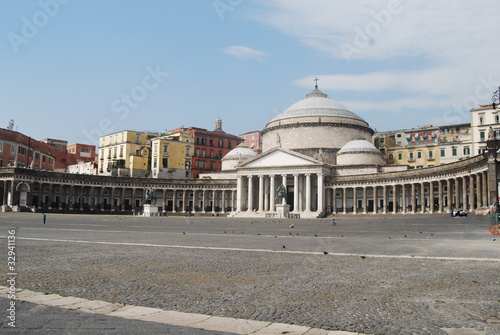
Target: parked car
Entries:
(459, 212)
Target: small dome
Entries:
(316, 103)
(357, 146)
(239, 153)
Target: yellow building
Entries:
(171, 156)
(126, 153)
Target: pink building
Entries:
(253, 140)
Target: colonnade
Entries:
(413, 196)
(257, 193)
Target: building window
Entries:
(114, 152)
(497, 118)
(197, 152)
(466, 151)
(221, 144)
(188, 151)
(212, 166)
(12, 149)
(453, 151)
(155, 162)
(203, 153)
(398, 143)
(419, 154)
(431, 154)
(155, 149)
(85, 150)
(411, 156)
(165, 162)
(121, 151)
(165, 148)
(442, 154)
(481, 119)
(400, 156)
(138, 138)
(187, 164)
(382, 140)
(109, 153)
(1, 146)
(481, 136)
(229, 144)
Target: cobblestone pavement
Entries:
(374, 276)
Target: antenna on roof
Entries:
(11, 125)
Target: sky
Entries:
(79, 69)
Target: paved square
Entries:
(370, 275)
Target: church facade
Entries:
(318, 151)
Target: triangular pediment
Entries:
(280, 158)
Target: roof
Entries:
(316, 103)
(358, 146)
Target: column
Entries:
(91, 197)
(403, 198)
(413, 199)
(457, 193)
(51, 195)
(261, 193)
(184, 200)
(321, 194)
(204, 201)
(440, 195)
(384, 195)
(472, 197)
(101, 199)
(122, 199)
(174, 200)
(213, 201)
(375, 199)
(464, 193)
(250, 194)
(422, 197)
(365, 201)
(272, 188)
(239, 190)
(334, 200)
(354, 200)
(448, 195)
(479, 191)
(296, 193)
(308, 192)
(164, 202)
(344, 200)
(223, 201)
(431, 197)
(485, 188)
(266, 194)
(232, 200)
(394, 199)
(113, 198)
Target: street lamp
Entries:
(495, 99)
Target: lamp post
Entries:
(493, 145)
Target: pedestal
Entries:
(150, 210)
(282, 210)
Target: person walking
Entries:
(333, 220)
(44, 216)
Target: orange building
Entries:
(209, 147)
(19, 150)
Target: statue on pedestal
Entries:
(281, 194)
(150, 197)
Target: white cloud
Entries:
(451, 44)
(241, 52)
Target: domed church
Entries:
(304, 147)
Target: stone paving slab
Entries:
(64, 302)
(177, 318)
(281, 328)
(238, 326)
(463, 331)
(135, 312)
(206, 322)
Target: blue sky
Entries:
(75, 69)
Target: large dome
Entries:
(316, 103)
(316, 126)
